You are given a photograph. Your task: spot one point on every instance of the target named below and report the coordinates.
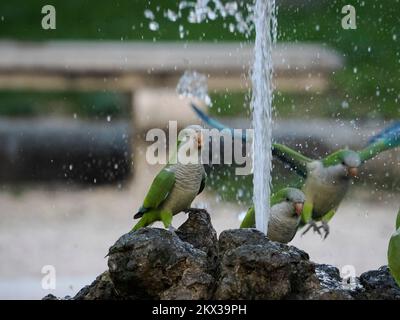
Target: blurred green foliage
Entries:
(368, 86)
(93, 104)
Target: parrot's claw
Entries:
(312, 224)
(324, 226)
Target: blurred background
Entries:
(76, 102)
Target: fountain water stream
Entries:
(265, 25)
(261, 17)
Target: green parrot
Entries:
(176, 185)
(286, 209)
(394, 252)
(326, 181)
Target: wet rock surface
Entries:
(101, 289)
(378, 285)
(253, 267)
(156, 264)
(199, 223)
(192, 263)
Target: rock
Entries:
(101, 289)
(378, 285)
(154, 263)
(331, 285)
(199, 232)
(231, 239)
(253, 267)
(50, 297)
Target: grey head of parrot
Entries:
(292, 196)
(343, 163)
(192, 134)
(297, 198)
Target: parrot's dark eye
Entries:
(287, 199)
(343, 163)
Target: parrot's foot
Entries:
(194, 210)
(312, 224)
(324, 226)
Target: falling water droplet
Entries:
(154, 26)
(149, 14)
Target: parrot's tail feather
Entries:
(140, 213)
(147, 219)
(141, 224)
(215, 123)
(390, 136)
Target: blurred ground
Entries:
(73, 228)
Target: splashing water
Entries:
(200, 11)
(194, 85)
(266, 29)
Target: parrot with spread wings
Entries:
(326, 180)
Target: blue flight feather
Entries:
(390, 136)
(214, 123)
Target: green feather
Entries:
(373, 150)
(394, 256)
(159, 189)
(294, 159)
(336, 158)
(249, 220)
(398, 221)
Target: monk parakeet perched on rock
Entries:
(394, 252)
(326, 180)
(286, 209)
(177, 184)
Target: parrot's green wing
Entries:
(158, 192)
(203, 183)
(372, 151)
(294, 159)
(394, 256)
(249, 220)
(398, 221)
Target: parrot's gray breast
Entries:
(283, 224)
(188, 179)
(325, 188)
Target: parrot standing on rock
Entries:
(286, 209)
(326, 180)
(394, 252)
(176, 185)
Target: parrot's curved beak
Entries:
(298, 208)
(352, 172)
